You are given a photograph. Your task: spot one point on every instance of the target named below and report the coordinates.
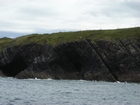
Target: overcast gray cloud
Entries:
(42, 16)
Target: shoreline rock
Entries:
(101, 60)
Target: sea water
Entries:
(67, 92)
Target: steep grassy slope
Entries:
(56, 38)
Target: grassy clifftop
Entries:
(56, 38)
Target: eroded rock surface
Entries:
(100, 60)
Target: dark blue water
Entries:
(67, 92)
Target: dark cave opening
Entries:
(77, 65)
(70, 60)
(13, 68)
(76, 61)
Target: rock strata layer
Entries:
(100, 60)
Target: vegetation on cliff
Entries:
(56, 38)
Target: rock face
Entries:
(100, 60)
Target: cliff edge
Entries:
(101, 60)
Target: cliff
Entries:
(105, 60)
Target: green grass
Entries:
(4, 41)
(56, 38)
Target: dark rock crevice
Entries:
(69, 60)
(14, 67)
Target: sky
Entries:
(18, 17)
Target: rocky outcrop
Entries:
(15, 59)
(100, 60)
